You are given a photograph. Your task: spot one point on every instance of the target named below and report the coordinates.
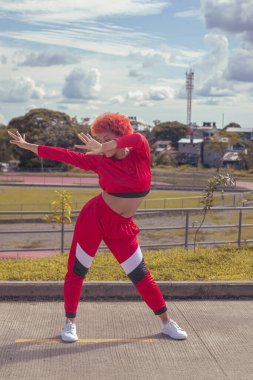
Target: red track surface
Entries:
(14, 178)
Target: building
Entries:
(244, 133)
(139, 125)
(222, 153)
(213, 153)
(232, 159)
(204, 131)
(190, 151)
(134, 122)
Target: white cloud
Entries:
(209, 102)
(195, 13)
(143, 103)
(117, 40)
(135, 95)
(232, 16)
(214, 87)
(153, 93)
(135, 73)
(117, 99)
(3, 60)
(216, 56)
(229, 15)
(240, 66)
(68, 107)
(48, 59)
(78, 10)
(150, 57)
(94, 104)
(209, 69)
(164, 54)
(160, 93)
(30, 107)
(21, 89)
(81, 84)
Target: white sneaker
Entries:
(172, 329)
(68, 333)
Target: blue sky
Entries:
(87, 57)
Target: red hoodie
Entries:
(127, 175)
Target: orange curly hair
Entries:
(113, 122)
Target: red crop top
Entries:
(119, 177)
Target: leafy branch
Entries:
(61, 208)
(219, 181)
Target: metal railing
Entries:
(186, 227)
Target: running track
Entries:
(44, 180)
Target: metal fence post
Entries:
(186, 229)
(239, 229)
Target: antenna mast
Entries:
(189, 88)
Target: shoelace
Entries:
(69, 327)
(173, 323)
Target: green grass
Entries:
(224, 264)
(39, 198)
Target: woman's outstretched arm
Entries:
(19, 140)
(80, 160)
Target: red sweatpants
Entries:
(97, 222)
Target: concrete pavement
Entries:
(122, 340)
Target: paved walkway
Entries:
(122, 340)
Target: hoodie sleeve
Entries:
(78, 159)
(135, 141)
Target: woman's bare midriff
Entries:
(125, 207)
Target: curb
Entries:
(121, 290)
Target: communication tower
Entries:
(189, 88)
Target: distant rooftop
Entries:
(188, 141)
(239, 130)
(231, 156)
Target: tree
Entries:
(217, 182)
(164, 158)
(247, 155)
(232, 125)
(45, 127)
(170, 130)
(7, 151)
(61, 208)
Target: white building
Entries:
(138, 124)
(190, 151)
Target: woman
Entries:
(121, 159)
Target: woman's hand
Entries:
(92, 145)
(18, 140)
